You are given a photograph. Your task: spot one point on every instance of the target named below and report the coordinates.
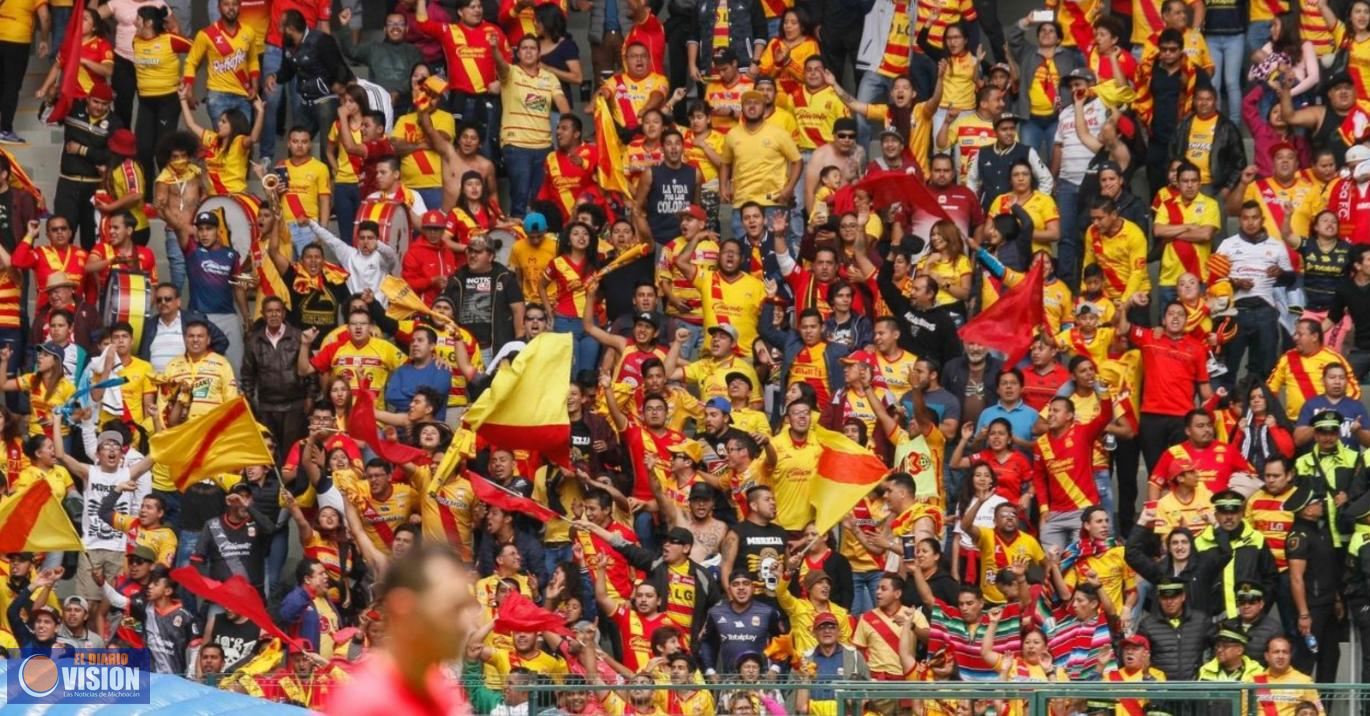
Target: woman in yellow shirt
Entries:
(947, 262)
(784, 56)
(1046, 218)
(227, 148)
(1353, 36)
(157, 70)
(47, 387)
(961, 78)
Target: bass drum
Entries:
(393, 219)
(503, 241)
(238, 215)
(128, 298)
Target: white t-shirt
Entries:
(1251, 261)
(167, 344)
(1075, 155)
(984, 519)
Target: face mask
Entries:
(179, 165)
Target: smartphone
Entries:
(1042, 16)
(909, 546)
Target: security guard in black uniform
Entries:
(1314, 580)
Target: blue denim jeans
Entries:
(645, 528)
(796, 230)
(176, 260)
(874, 87)
(554, 556)
(1228, 52)
(347, 199)
(301, 236)
(1103, 481)
(1258, 337)
(1070, 250)
(585, 347)
(275, 559)
(271, 64)
(1257, 34)
(863, 591)
(60, 17)
(525, 169)
(432, 198)
(1040, 134)
(690, 350)
(219, 102)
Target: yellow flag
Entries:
(226, 439)
(34, 521)
(403, 302)
(609, 151)
(847, 472)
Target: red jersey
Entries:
(652, 35)
(961, 205)
(639, 441)
(619, 574)
(376, 689)
(636, 631)
(1040, 388)
(1063, 468)
(1215, 463)
(564, 181)
(1010, 475)
(469, 52)
(1176, 364)
(1351, 203)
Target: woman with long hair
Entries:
(560, 54)
(947, 262)
(645, 150)
(843, 325)
(96, 60)
(1286, 51)
(1023, 192)
(125, 77)
(12, 437)
(477, 210)
(338, 393)
(1263, 429)
(784, 56)
(228, 149)
(47, 387)
(347, 168)
(1012, 470)
(981, 488)
(157, 63)
(572, 268)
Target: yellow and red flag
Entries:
(847, 472)
(226, 439)
(609, 151)
(34, 521)
(524, 408)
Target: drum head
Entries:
(393, 219)
(240, 216)
(503, 242)
(128, 297)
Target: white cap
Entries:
(1356, 154)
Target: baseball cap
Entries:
(1179, 467)
(114, 435)
(862, 357)
(1001, 67)
(823, 619)
(680, 535)
(1338, 78)
(892, 132)
(726, 329)
(1170, 586)
(1357, 154)
(725, 56)
(752, 95)
(646, 317)
(695, 211)
(534, 223)
(206, 218)
(1080, 73)
(433, 219)
(701, 491)
(144, 553)
(1007, 117)
(843, 124)
(1084, 308)
(52, 349)
(737, 375)
(720, 404)
(102, 91)
(1249, 590)
(1231, 633)
(78, 600)
(1137, 640)
(689, 448)
(240, 487)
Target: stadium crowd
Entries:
(1088, 286)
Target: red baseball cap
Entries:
(433, 217)
(862, 357)
(696, 211)
(1179, 467)
(1137, 640)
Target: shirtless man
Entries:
(842, 152)
(458, 158)
(180, 187)
(708, 530)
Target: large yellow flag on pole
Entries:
(847, 472)
(609, 151)
(225, 439)
(524, 408)
(34, 521)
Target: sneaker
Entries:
(11, 138)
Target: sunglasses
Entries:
(846, 135)
(139, 560)
(165, 299)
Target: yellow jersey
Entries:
(371, 363)
(1041, 207)
(231, 59)
(735, 302)
(965, 136)
(226, 164)
(815, 113)
(796, 467)
(422, 168)
(760, 162)
(710, 376)
(211, 380)
(305, 183)
(16, 20)
(528, 103)
(44, 402)
(1180, 256)
(1122, 257)
(155, 63)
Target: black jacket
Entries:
(925, 333)
(1177, 650)
(658, 575)
(1204, 568)
(507, 291)
(1226, 159)
(92, 138)
(218, 342)
(318, 65)
(267, 376)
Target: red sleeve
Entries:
(323, 360)
(180, 45)
(325, 10)
(1284, 442)
(1094, 428)
(1039, 476)
(1201, 361)
(1139, 336)
(506, 10)
(1162, 469)
(435, 30)
(412, 272)
(24, 257)
(292, 458)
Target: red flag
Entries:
(361, 425)
(234, 594)
(71, 62)
(889, 188)
(1009, 324)
(492, 494)
(518, 613)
